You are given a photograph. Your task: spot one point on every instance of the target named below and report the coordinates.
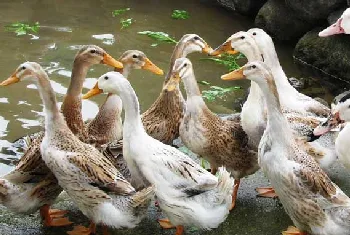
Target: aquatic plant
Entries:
(158, 36)
(180, 14)
(126, 22)
(216, 92)
(22, 28)
(228, 60)
(119, 11)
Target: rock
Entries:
(288, 27)
(297, 83)
(248, 7)
(314, 10)
(335, 15)
(227, 4)
(329, 54)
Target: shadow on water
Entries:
(69, 24)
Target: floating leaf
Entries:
(119, 11)
(204, 83)
(158, 36)
(22, 28)
(126, 23)
(180, 14)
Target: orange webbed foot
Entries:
(291, 230)
(166, 224)
(81, 230)
(268, 192)
(54, 217)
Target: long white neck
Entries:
(194, 98)
(53, 117)
(271, 59)
(132, 124)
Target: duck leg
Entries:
(291, 230)
(105, 230)
(235, 192)
(54, 217)
(179, 230)
(81, 230)
(268, 192)
(166, 224)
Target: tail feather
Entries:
(143, 197)
(3, 188)
(225, 185)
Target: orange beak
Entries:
(11, 80)
(152, 67)
(224, 48)
(109, 60)
(207, 49)
(234, 75)
(94, 91)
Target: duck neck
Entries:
(53, 117)
(277, 125)
(132, 123)
(194, 98)
(79, 71)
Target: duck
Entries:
(340, 115)
(314, 203)
(303, 112)
(93, 183)
(187, 193)
(106, 127)
(220, 142)
(31, 186)
(341, 26)
(162, 119)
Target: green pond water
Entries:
(66, 25)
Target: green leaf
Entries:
(204, 82)
(126, 23)
(228, 60)
(119, 11)
(22, 28)
(180, 14)
(217, 92)
(159, 36)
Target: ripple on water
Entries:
(3, 126)
(89, 83)
(27, 123)
(57, 87)
(107, 38)
(4, 100)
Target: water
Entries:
(68, 24)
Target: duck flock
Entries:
(112, 170)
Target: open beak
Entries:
(172, 83)
(333, 29)
(224, 48)
(332, 122)
(109, 60)
(152, 67)
(11, 80)
(207, 49)
(234, 75)
(94, 91)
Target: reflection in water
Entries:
(107, 39)
(3, 126)
(89, 83)
(4, 100)
(29, 123)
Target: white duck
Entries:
(340, 114)
(342, 25)
(90, 179)
(187, 193)
(315, 204)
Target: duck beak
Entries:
(333, 29)
(225, 47)
(11, 80)
(172, 83)
(109, 60)
(207, 49)
(94, 91)
(332, 122)
(234, 75)
(152, 67)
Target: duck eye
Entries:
(196, 38)
(106, 78)
(254, 33)
(242, 37)
(93, 51)
(185, 64)
(134, 56)
(254, 66)
(23, 67)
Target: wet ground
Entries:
(68, 24)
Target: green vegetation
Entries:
(22, 28)
(180, 14)
(215, 92)
(159, 37)
(228, 60)
(126, 22)
(119, 11)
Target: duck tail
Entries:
(225, 185)
(4, 188)
(143, 197)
